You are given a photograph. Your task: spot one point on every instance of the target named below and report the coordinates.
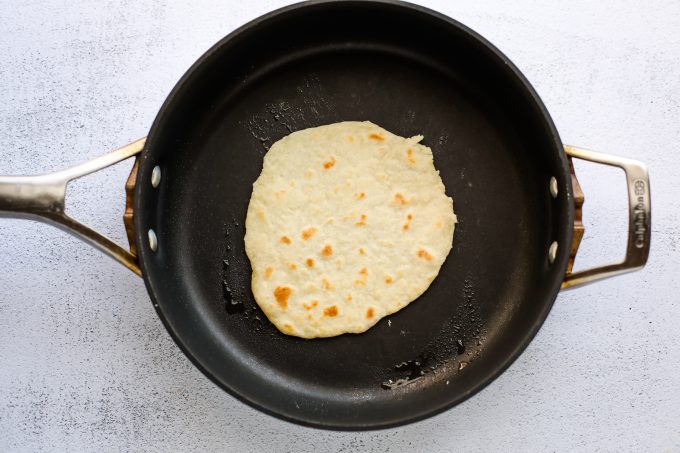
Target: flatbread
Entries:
(347, 223)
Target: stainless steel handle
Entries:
(639, 224)
(43, 198)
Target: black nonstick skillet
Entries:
(411, 71)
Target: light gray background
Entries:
(85, 364)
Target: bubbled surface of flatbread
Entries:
(347, 223)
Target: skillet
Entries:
(411, 71)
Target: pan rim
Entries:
(560, 263)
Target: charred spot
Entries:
(329, 163)
(331, 311)
(409, 156)
(311, 305)
(281, 294)
(308, 233)
(400, 199)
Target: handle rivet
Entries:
(553, 187)
(156, 176)
(552, 252)
(153, 240)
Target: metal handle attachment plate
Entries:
(639, 224)
(42, 198)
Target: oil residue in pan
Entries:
(309, 102)
(232, 304)
(459, 340)
(230, 289)
(234, 282)
(411, 370)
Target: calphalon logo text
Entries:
(640, 213)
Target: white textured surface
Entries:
(85, 364)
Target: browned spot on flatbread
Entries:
(309, 316)
(292, 266)
(308, 233)
(388, 279)
(331, 311)
(362, 221)
(409, 156)
(407, 225)
(361, 195)
(327, 285)
(424, 255)
(268, 272)
(310, 262)
(285, 239)
(281, 294)
(311, 305)
(350, 139)
(369, 313)
(349, 297)
(377, 137)
(363, 271)
(288, 328)
(362, 251)
(400, 199)
(359, 283)
(327, 250)
(329, 163)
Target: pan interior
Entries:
(412, 73)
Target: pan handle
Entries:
(639, 218)
(42, 198)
